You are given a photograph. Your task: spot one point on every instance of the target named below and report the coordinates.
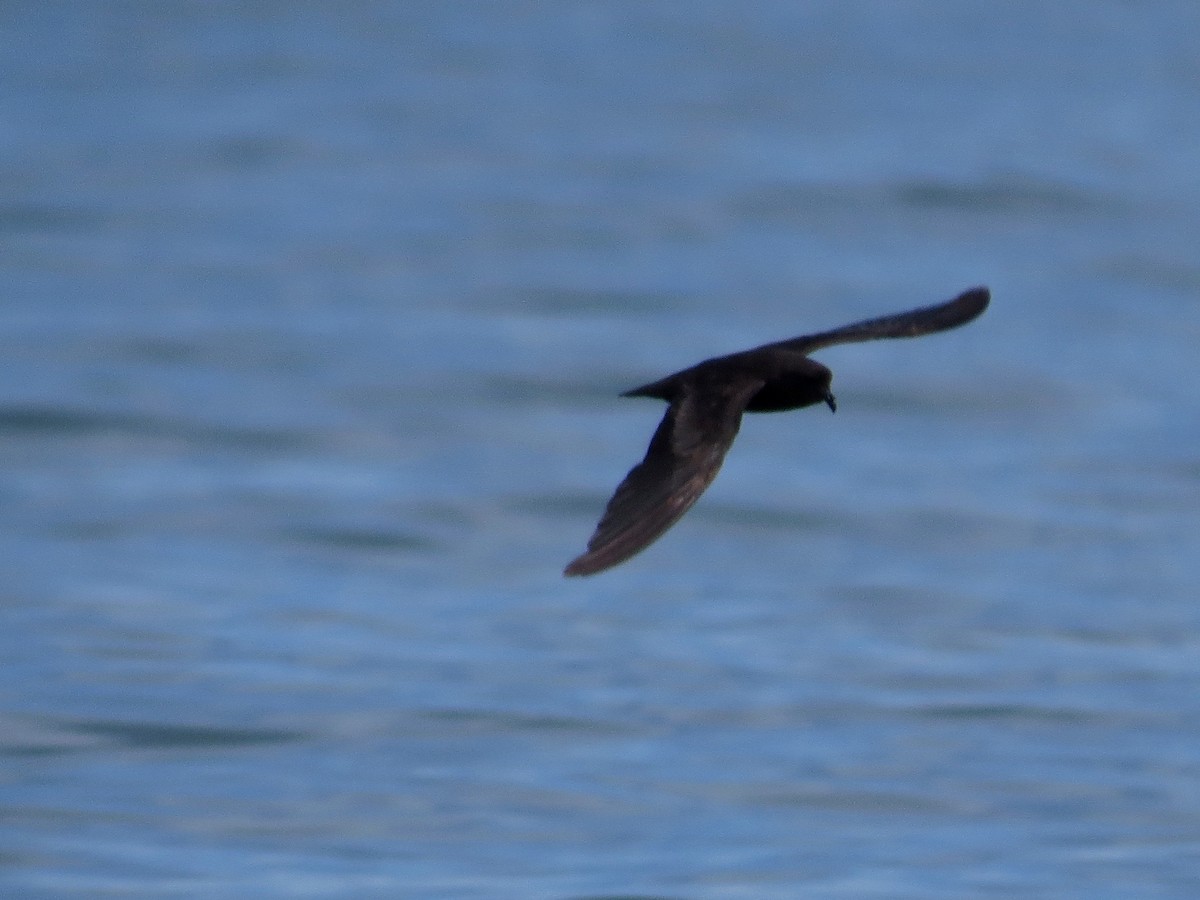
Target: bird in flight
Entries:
(704, 411)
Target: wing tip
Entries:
(977, 298)
(586, 564)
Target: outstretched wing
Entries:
(684, 457)
(926, 320)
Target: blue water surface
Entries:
(313, 324)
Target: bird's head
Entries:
(822, 378)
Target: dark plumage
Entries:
(705, 409)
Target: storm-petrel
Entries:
(705, 409)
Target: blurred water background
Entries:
(313, 322)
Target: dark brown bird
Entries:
(705, 409)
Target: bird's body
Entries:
(704, 412)
(788, 380)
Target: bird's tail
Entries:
(662, 390)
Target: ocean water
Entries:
(314, 320)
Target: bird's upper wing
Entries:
(925, 320)
(683, 458)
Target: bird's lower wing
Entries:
(684, 457)
(925, 320)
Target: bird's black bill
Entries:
(831, 401)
